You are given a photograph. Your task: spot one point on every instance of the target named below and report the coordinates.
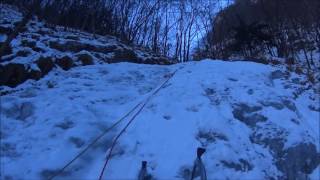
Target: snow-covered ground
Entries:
(42, 39)
(255, 121)
(41, 47)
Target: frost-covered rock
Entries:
(45, 64)
(248, 114)
(299, 160)
(38, 40)
(65, 62)
(85, 58)
(125, 55)
(13, 74)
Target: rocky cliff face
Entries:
(39, 47)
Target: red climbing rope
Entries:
(105, 132)
(94, 141)
(130, 121)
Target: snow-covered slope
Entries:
(255, 121)
(40, 47)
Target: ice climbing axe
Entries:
(143, 173)
(198, 167)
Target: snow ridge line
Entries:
(131, 120)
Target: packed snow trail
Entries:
(252, 119)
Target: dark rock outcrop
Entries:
(277, 75)
(242, 165)
(77, 46)
(23, 53)
(73, 46)
(274, 140)
(85, 58)
(290, 105)
(5, 30)
(274, 104)
(208, 137)
(28, 43)
(45, 64)
(34, 74)
(248, 114)
(293, 162)
(5, 51)
(300, 159)
(157, 60)
(13, 74)
(125, 55)
(65, 62)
